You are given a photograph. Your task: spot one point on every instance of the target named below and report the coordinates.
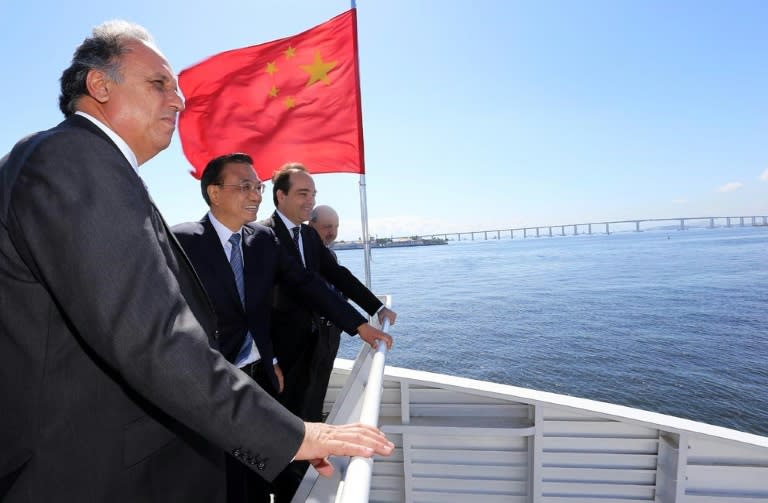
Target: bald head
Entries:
(326, 222)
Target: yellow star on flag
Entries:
(273, 92)
(290, 52)
(271, 68)
(318, 70)
(289, 102)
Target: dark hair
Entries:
(212, 171)
(101, 51)
(281, 179)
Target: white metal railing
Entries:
(358, 400)
(356, 485)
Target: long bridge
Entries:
(680, 223)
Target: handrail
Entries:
(356, 485)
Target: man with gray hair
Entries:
(325, 221)
(109, 389)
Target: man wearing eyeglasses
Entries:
(238, 265)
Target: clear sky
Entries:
(477, 115)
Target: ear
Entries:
(213, 194)
(280, 196)
(97, 83)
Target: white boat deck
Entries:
(466, 440)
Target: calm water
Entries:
(669, 321)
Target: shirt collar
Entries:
(124, 148)
(221, 230)
(288, 224)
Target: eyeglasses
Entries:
(245, 186)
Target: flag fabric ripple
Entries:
(293, 99)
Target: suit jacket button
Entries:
(216, 335)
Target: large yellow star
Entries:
(289, 102)
(271, 67)
(290, 52)
(318, 70)
(273, 92)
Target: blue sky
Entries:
(477, 115)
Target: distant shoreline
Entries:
(389, 243)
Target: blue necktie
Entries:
(236, 262)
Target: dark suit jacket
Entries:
(265, 263)
(292, 318)
(109, 389)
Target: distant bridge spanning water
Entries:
(637, 225)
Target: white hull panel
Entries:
(466, 440)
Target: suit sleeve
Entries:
(88, 229)
(340, 277)
(316, 292)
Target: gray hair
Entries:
(101, 51)
(317, 210)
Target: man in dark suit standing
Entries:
(294, 324)
(325, 221)
(109, 388)
(241, 293)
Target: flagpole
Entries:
(366, 242)
(363, 196)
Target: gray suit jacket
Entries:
(109, 389)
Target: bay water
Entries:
(663, 320)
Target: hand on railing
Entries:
(386, 314)
(322, 440)
(373, 335)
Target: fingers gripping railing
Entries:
(357, 480)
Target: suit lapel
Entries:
(163, 229)
(309, 258)
(184, 261)
(218, 262)
(81, 122)
(284, 235)
(251, 259)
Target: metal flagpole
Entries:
(366, 242)
(363, 196)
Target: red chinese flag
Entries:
(293, 99)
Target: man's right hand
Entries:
(322, 440)
(372, 335)
(280, 378)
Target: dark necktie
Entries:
(296, 233)
(236, 262)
